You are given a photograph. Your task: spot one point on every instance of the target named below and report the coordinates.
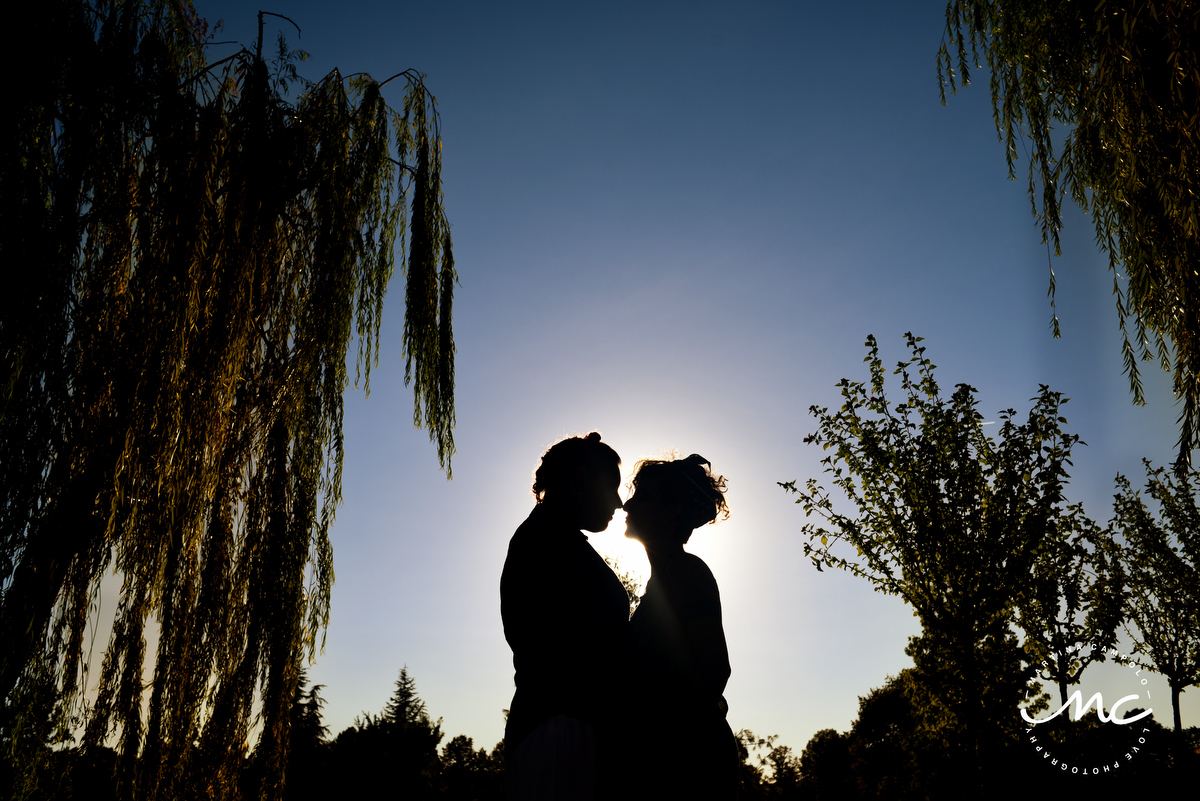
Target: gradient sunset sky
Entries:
(676, 223)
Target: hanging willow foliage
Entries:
(1105, 93)
(188, 259)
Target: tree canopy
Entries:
(948, 519)
(1162, 571)
(192, 258)
(1106, 96)
(1074, 595)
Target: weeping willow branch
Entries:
(192, 258)
(1106, 96)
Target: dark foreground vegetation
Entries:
(186, 225)
(900, 747)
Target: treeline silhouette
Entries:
(392, 754)
(900, 747)
(904, 746)
(398, 753)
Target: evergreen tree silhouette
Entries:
(391, 755)
(308, 750)
(405, 707)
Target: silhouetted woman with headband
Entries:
(679, 662)
(566, 617)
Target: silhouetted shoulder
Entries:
(692, 568)
(540, 543)
(692, 587)
(538, 527)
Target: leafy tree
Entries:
(1105, 94)
(785, 773)
(1073, 601)
(394, 754)
(73, 773)
(1088, 741)
(750, 774)
(767, 770)
(1163, 573)
(947, 519)
(470, 774)
(824, 768)
(195, 257)
(629, 580)
(960, 724)
(899, 747)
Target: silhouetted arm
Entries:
(706, 641)
(700, 620)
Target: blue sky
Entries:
(676, 223)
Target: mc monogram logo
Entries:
(1081, 708)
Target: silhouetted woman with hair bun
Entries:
(566, 617)
(680, 663)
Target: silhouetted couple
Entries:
(608, 705)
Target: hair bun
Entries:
(688, 481)
(563, 460)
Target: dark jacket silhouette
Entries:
(565, 616)
(687, 749)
